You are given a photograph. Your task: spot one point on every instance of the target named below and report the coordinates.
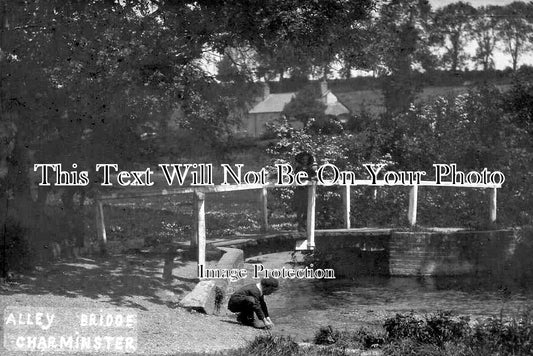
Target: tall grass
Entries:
(269, 345)
(439, 334)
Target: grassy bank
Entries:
(439, 334)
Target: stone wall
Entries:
(352, 254)
(425, 253)
(449, 253)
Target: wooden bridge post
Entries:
(347, 208)
(264, 209)
(493, 204)
(100, 225)
(311, 209)
(413, 201)
(199, 240)
(194, 227)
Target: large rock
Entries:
(207, 295)
(202, 298)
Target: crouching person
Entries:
(249, 301)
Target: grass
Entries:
(439, 334)
(269, 345)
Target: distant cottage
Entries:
(271, 106)
(340, 105)
(268, 109)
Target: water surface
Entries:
(301, 307)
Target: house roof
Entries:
(336, 109)
(276, 103)
(273, 103)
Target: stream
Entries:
(301, 306)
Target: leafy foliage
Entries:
(484, 32)
(90, 81)
(432, 329)
(516, 24)
(358, 339)
(402, 31)
(476, 130)
(306, 105)
(443, 334)
(452, 25)
(519, 102)
(439, 334)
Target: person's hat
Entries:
(270, 282)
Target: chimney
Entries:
(266, 90)
(323, 87)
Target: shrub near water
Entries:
(433, 329)
(272, 345)
(358, 339)
(269, 345)
(439, 334)
(514, 337)
(442, 334)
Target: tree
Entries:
(358, 53)
(452, 25)
(291, 36)
(515, 29)
(401, 39)
(80, 78)
(228, 70)
(306, 105)
(283, 60)
(484, 32)
(78, 81)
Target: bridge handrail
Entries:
(198, 238)
(239, 187)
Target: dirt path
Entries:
(134, 282)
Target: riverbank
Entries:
(299, 309)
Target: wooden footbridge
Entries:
(198, 237)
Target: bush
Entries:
(269, 345)
(359, 339)
(326, 126)
(514, 337)
(442, 334)
(265, 345)
(432, 329)
(438, 334)
(272, 345)
(345, 150)
(478, 129)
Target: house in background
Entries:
(333, 106)
(270, 108)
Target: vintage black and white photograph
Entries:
(266, 177)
